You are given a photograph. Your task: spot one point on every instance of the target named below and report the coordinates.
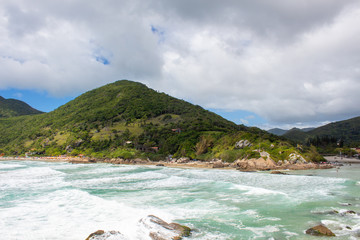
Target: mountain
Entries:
(127, 119)
(277, 131)
(281, 132)
(13, 107)
(330, 136)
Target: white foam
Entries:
(257, 191)
(35, 178)
(6, 166)
(260, 231)
(69, 214)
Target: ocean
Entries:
(47, 200)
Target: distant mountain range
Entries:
(13, 108)
(280, 132)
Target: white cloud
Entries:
(289, 62)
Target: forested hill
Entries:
(13, 107)
(127, 119)
(332, 135)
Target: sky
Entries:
(267, 63)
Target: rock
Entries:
(320, 230)
(296, 158)
(161, 230)
(278, 172)
(218, 164)
(242, 143)
(349, 212)
(102, 235)
(183, 160)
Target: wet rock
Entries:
(160, 165)
(102, 235)
(278, 172)
(161, 230)
(320, 230)
(350, 212)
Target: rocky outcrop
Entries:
(161, 230)
(296, 158)
(183, 160)
(320, 230)
(242, 143)
(218, 164)
(126, 161)
(102, 235)
(254, 164)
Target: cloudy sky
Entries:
(263, 63)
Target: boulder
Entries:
(296, 158)
(218, 164)
(242, 143)
(161, 230)
(183, 160)
(102, 235)
(320, 230)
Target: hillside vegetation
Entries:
(13, 107)
(128, 120)
(329, 138)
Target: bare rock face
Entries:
(161, 230)
(320, 230)
(242, 143)
(102, 235)
(296, 158)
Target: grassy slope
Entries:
(100, 122)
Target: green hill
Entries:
(296, 135)
(127, 119)
(329, 137)
(13, 107)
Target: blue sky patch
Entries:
(102, 59)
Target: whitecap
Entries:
(6, 166)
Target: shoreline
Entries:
(249, 165)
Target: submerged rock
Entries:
(161, 230)
(278, 172)
(320, 230)
(102, 235)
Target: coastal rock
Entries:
(102, 235)
(254, 164)
(242, 143)
(278, 172)
(218, 164)
(320, 230)
(161, 230)
(296, 158)
(183, 160)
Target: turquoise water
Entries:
(42, 200)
